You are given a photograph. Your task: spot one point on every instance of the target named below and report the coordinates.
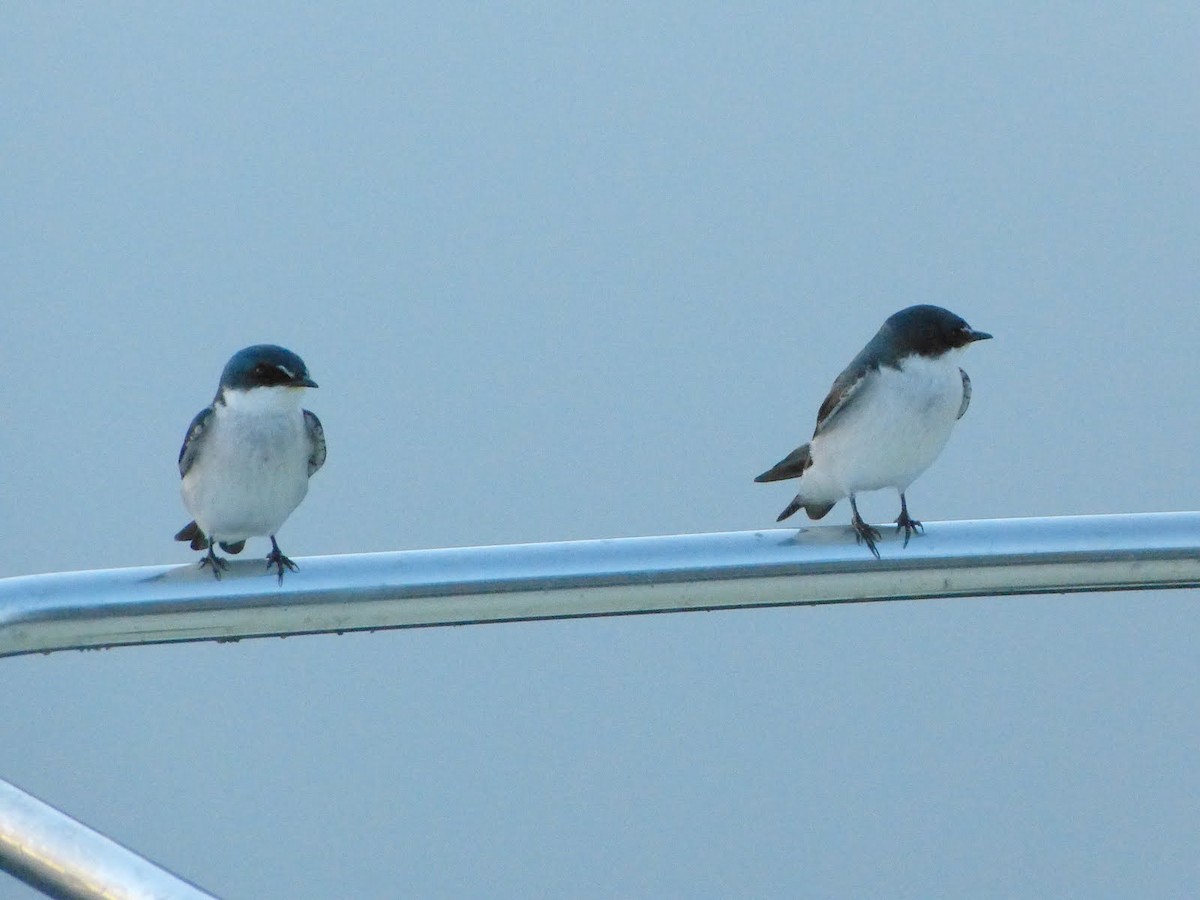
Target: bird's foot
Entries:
(909, 525)
(865, 533)
(215, 562)
(276, 560)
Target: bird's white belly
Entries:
(252, 475)
(894, 433)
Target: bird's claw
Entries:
(865, 533)
(279, 562)
(909, 525)
(214, 562)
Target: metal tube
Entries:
(159, 604)
(63, 858)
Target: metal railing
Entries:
(624, 576)
(63, 858)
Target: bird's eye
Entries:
(265, 373)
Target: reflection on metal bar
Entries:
(159, 604)
(63, 858)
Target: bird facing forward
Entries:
(886, 419)
(247, 457)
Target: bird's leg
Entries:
(211, 559)
(910, 525)
(863, 531)
(278, 560)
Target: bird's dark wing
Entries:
(966, 400)
(847, 385)
(877, 352)
(194, 440)
(316, 441)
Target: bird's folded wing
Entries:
(194, 440)
(316, 441)
(848, 384)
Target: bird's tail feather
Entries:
(794, 465)
(191, 532)
(790, 508)
(814, 510)
(818, 510)
(791, 466)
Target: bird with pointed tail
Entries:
(247, 457)
(886, 419)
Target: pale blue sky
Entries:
(573, 272)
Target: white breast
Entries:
(253, 468)
(894, 430)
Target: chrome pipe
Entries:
(620, 576)
(63, 858)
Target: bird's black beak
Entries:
(979, 336)
(308, 382)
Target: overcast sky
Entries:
(571, 271)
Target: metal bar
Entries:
(63, 858)
(160, 604)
